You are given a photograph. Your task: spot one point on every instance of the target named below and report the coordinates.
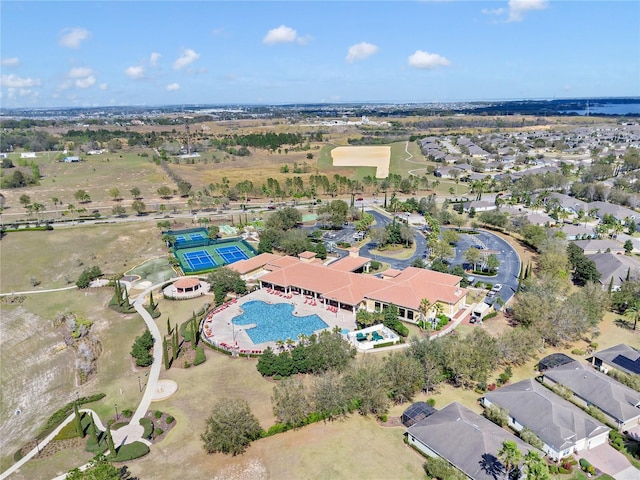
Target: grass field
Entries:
(56, 258)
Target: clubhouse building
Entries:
(342, 284)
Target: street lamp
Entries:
(139, 384)
(115, 405)
(37, 446)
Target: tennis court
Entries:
(231, 254)
(189, 237)
(199, 260)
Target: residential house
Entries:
(615, 269)
(577, 232)
(620, 357)
(466, 440)
(563, 427)
(589, 247)
(479, 205)
(618, 212)
(619, 403)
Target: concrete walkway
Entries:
(29, 292)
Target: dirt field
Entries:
(378, 157)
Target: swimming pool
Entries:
(275, 322)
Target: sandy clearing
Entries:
(379, 157)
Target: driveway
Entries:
(608, 460)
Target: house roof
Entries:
(610, 396)
(623, 357)
(557, 422)
(186, 282)
(406, 289)
(349, 264)
(254, 263)
(599, 245)
(615, 266)
(467, 440)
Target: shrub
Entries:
(584, 464)
(275, 429)
(200, 357)
(431, 401)
(553, 469)
(148, 427)
(140, 349)
(563, 470)
(159, 432)
(577, 351)
(130, 451)
(157, 414)
(186, 364)
(87, 275)
(384, 417)
(170, 420)
(127, 413)
(491, 315)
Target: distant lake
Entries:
(609, 109)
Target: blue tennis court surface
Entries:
(199, 260)
(231, 254)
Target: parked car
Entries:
(497, 287)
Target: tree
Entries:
(406, 376)
(100, 469)
(510, 456)
(114, 193)
(164, 192)
(82, 196)
(135, 193)
(531, 438)
(329, 397)
(118, 211)
(492, 262)
(290, 402)
(632, 313)
(628, 246)
(25, 200)
(138, 206)
(497, 415)
(537, 468)
(472, 255)
(230, 428)
(366, 383)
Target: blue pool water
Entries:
(276, 321)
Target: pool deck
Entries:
(223, 332)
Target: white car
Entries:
(497, 287)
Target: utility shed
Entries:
(416, 413)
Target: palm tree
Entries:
(425, 306)
(510, 456)
(633, 313)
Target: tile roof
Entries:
(610, 396)
(407, 289)
(557, 422)
(348, 264)
(467, 440)
(251, 264)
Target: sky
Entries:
(120, 52)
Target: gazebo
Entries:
(187, 285)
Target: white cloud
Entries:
(187, 58)
(517, 8)
(426, 60)
(282, 34)
(360, 51)
(85, 82)
(172, 87)
(80, 72)
(153, 59)
(494, 11)
(10, 62)
(135, 72)
(13, 81)
(73, 37)
(103, 86)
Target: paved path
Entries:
(38, 291)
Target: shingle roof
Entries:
(467, 440)
(559, 423)
(623, 357)
(610, 396)
(615, 266)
